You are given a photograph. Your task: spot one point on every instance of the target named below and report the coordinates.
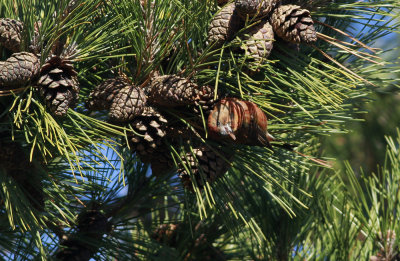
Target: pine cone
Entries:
(206, 161)
(127, 103)
(293, 24)
(59, 85)
(259, 41)
(151, 128)
(102, 96)
(18, 70)
(255, 7)
(205, 99)
(224, 26)
(172, 91)
(166, 234)
(10, 34)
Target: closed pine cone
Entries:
(293, 24)
(172, 91)
(259, 41)
(10, 34)
(18, 70)
(12, 157)
(101, 97)
(127, 103)
(224, 26)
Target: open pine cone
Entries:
(150, 126)
(58, 85)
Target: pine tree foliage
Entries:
(73, 187)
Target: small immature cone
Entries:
(10, 34)
(255, 7)
(127, 103)
(224, 26)
(259, 41)
(18, 70)
(240, 122)
(293, 24)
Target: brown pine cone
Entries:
(101, 97)
(128, 103)
(224, 25)
(293, 24)
(166, 234)
(205, 99)
(150, 126)
(172, 91)
(59, 85)
(259, 40)
(15, 162)
(10, 34)
(18, 70)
